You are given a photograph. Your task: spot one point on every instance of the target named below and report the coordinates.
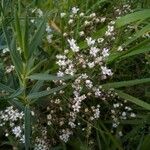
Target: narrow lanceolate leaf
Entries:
(18, 29)
(140, 15)
(126, 83)
(37, 38)
(138, 34)
(6, 88)
(37, 86)
(25, 39)
(27, 120)
(134, 100)
(44, 76)
(16, 58)
(16, 93)
(16, 102)
(141, 50)
(37, 95)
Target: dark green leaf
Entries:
(27, 118)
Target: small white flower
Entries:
(81, 33)
(91, 64)
(100, 40)
(75, 10)
(40, 12)
(62, 15)
(92, 15)
(105, 52)
(5, 50)
(10, 68)
(90, 41)
(48, 29)
(120, 48)
(94, 51)
(73, 45)
(17, 131)
(81, 14)
(60, 74)
(49, 38)
(86, 23)
(103, 19)
(133, 115)
(70, 21)
(106, 71)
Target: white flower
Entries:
(89, 83)
(100, 40)
(124, 114)
(103, 19)
(49, 116)
(10, 68)
(17, 131)
(48, 29)
(60, 74)
(5, 50)
(81, 33)
(70, 21)
(73, 45)
(81, 14)
(91, 64)
(75, 10)
(106, 71)
(65, 135)
(90, 41)
(105, 52)
(49, 38)
(120, 48)
(32, 20)
(133, 115)
(62, 15)
(40, 12)
(86, 23)
(97, 92)
(94, 51)
(92, 15)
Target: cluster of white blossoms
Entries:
(42, 143)
(118, 115)
(65, 135)
(88, 66)
(12, 118)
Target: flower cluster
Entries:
(84, 96)
(12, 117)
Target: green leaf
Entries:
(138, 34)
(27, 120)
(137, 51)
(44, 76)
(146, 144)
(25, 39)
(134, 100)
(18, 29)
(140, 15)
(37, 38)
(125, 83)
(6, 88)
(37, 86)
(16, 58)
(16, 93)
(37, 95)
(36, 67)
(141, 47)
(15, 102)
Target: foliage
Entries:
(74, 74)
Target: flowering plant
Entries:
(60, 72)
